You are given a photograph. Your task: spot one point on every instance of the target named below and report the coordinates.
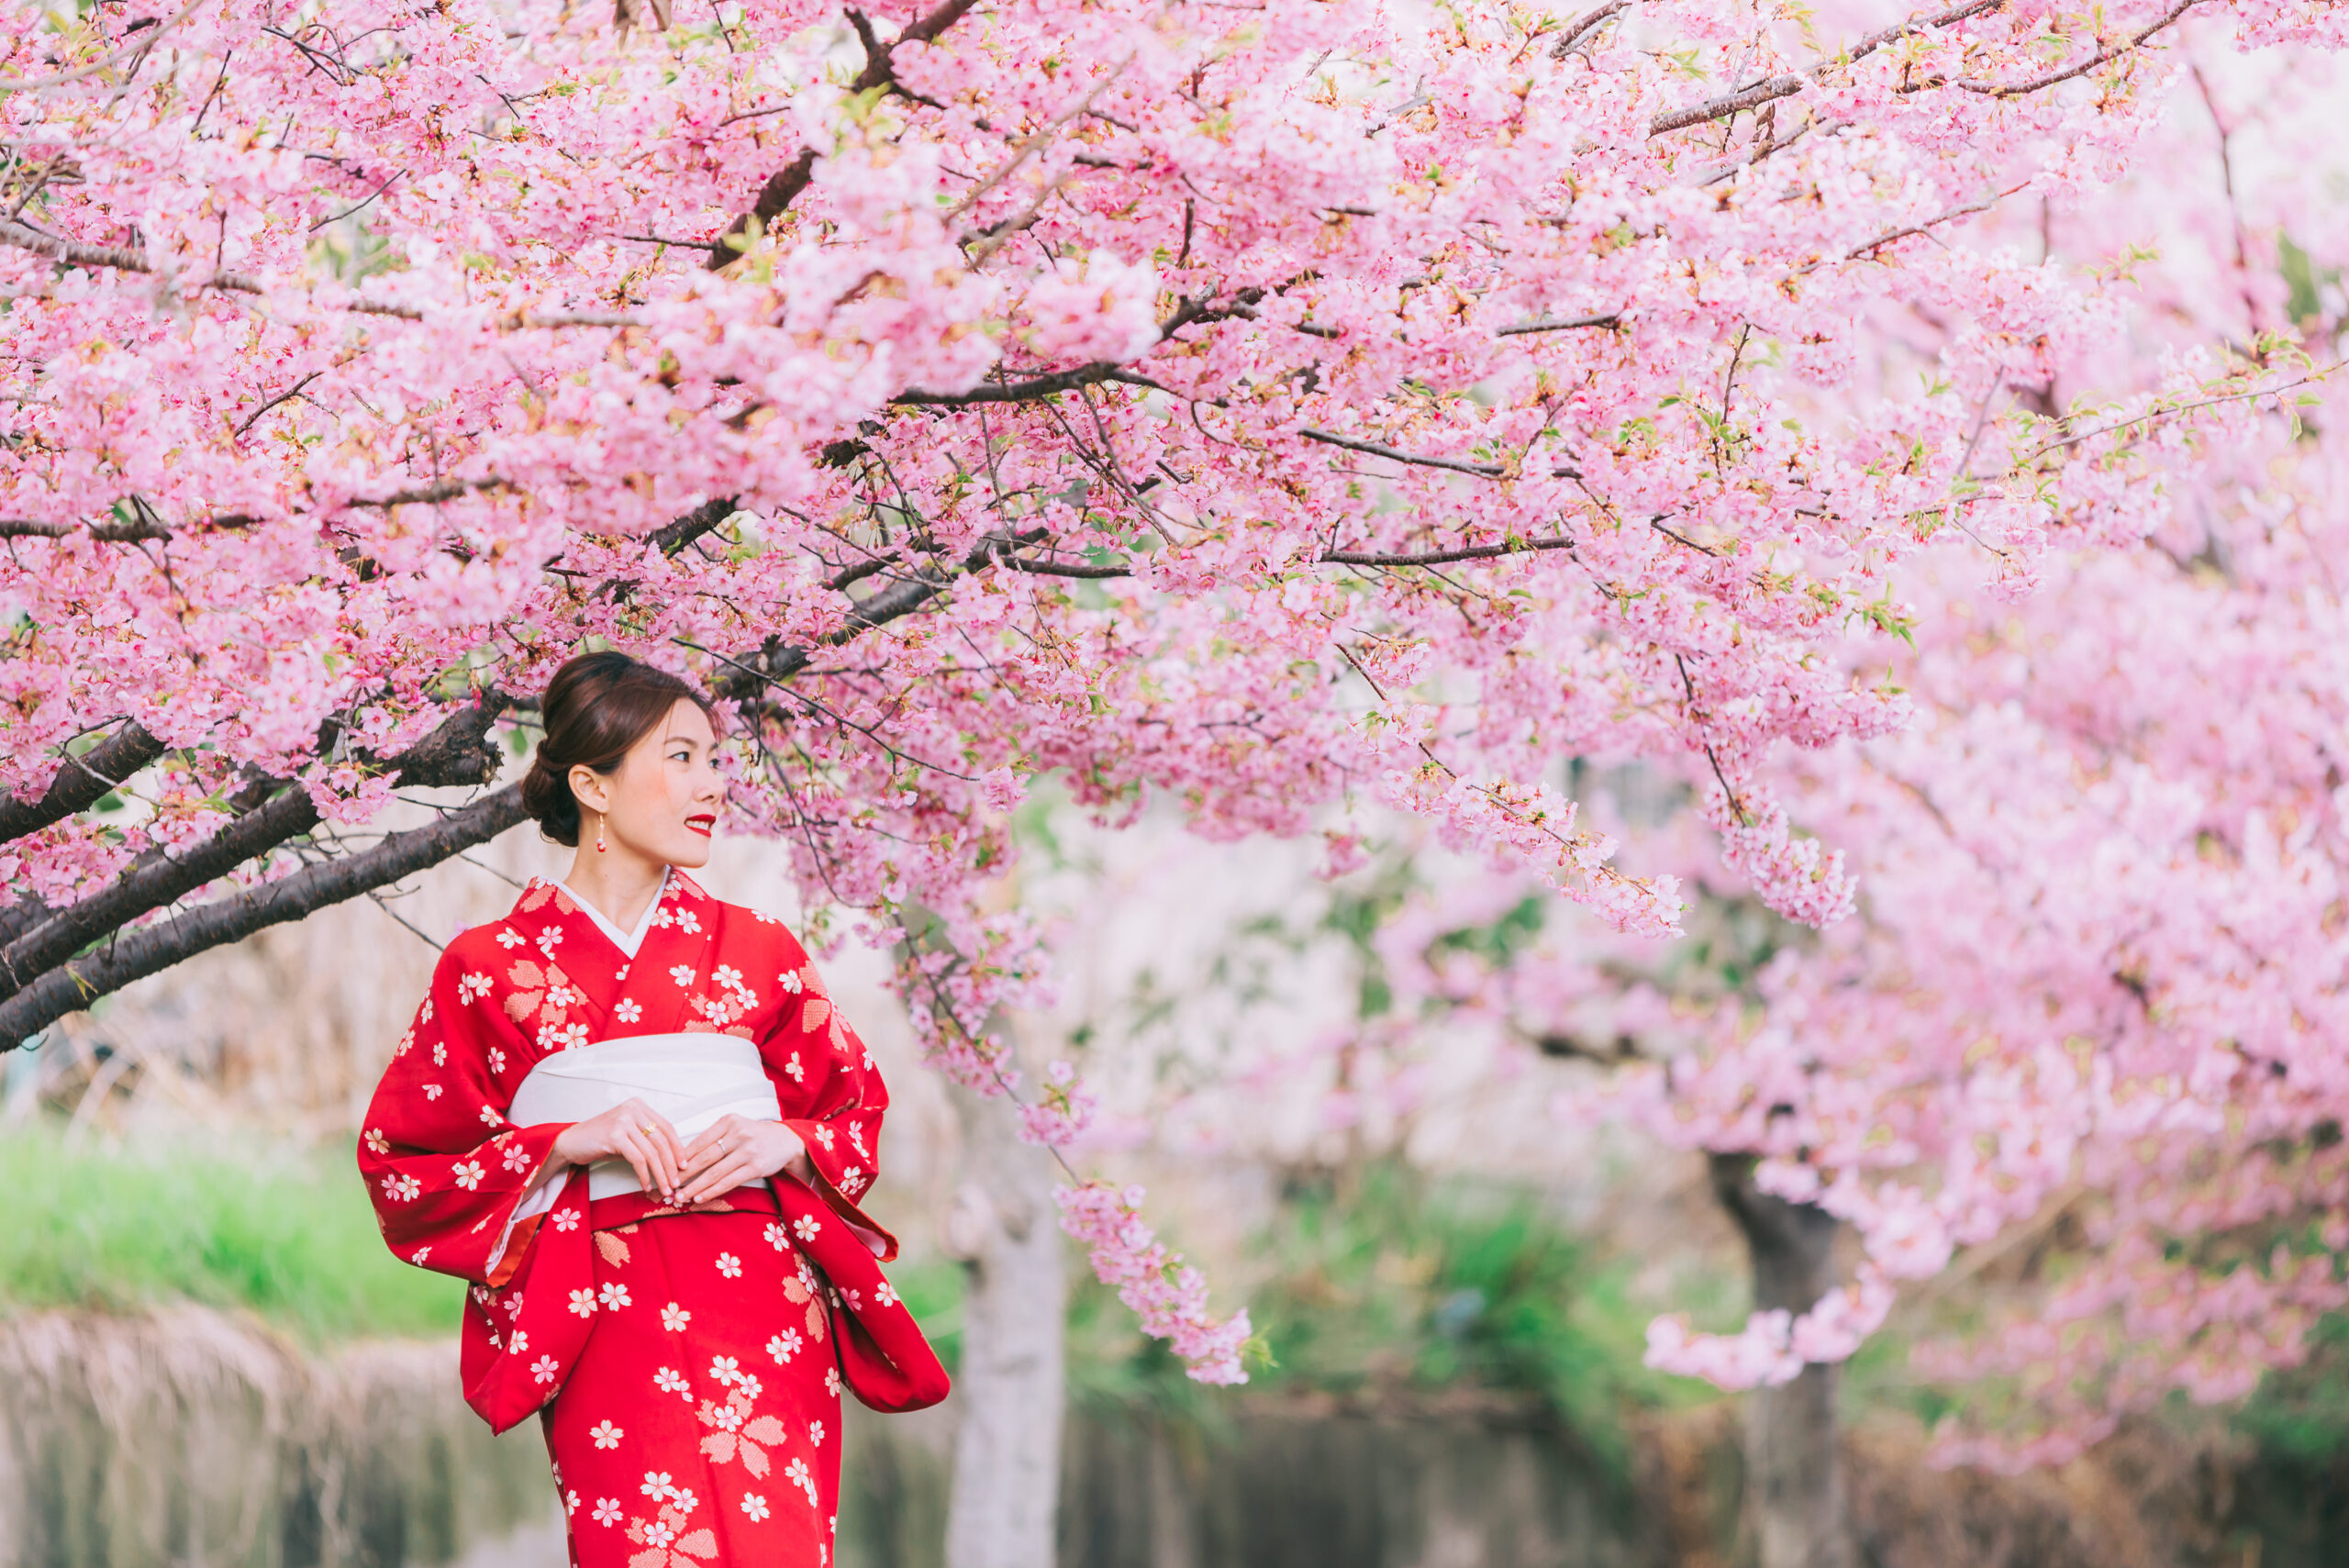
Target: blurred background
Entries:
(1450, 1251)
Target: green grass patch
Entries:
(288, 1237)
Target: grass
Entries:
(289, 1237)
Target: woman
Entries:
(630, 1116)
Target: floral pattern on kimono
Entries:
(562, 1319)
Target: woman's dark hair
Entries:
(596, 707)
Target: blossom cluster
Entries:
(1167, 1295)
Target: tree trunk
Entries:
(1009, 1387)
(1796, 1511)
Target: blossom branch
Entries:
(1777, 87)
(72, 986)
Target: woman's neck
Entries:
(620, 884)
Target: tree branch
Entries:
(1420, 460)
(1030, 390)
(82, 782)
(457, 751)
(2038, 84)
(784, 186)
(1777, 87)
(1612, 319)
(1442, 557)
(72, 986)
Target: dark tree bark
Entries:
(1797, 1512)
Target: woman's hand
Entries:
(632, 1131)
(734, 1150)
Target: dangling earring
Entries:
(600, 848)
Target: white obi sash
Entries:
(691, 1079)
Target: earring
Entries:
(599, 833)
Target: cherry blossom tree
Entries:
(1304, 411)
(2095, 981)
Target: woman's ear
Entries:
(593, 789)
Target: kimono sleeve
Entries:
(831, 1093)
(444, 1168)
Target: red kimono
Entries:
(687, 1364)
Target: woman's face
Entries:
(663, 801)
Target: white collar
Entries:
(627, 941)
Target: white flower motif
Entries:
(583, 1302)
(405, 1040)
(376, 1143)
(472, 988)
(658, 1534)
(621, 972)
(401, 1189)
(496, 1060)
(749, 1384)
(516, 1156)
(729, 1265)
(797, 1473)
(727, 976)
(682, 974)
(776, 1237)
(725, 1369)
(763, 918)
(432, 1091)
(627, 1012)
(683, 1497)
(783, 1346)
(418, 1256)
(884, 1295)
(669, 1380)
(439, 1054)
(509, 938)
(614, 1295)
(851, 1176)
(607, 1510)
(656, 1484)
(856, 1142)
(805, 1227)
(832, 1381)
(550, 939)
(489, 1116)
(467, 1173)
(560, 995)
(566, 1220)
(798, 1074)
(519, 1341)
(824, 1137)
(688, 921)
(816, 1433)
(424, 1014)
(545, 1368)
(571, 1502)
(789, 980)
(726, 1417)
(675, 1318)
(754, 1505)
